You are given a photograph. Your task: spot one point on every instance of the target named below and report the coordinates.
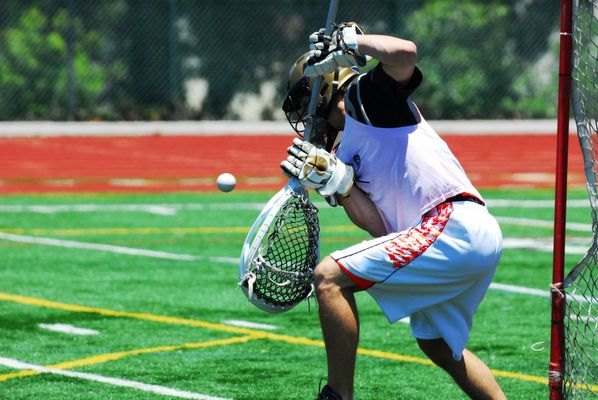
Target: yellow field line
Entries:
(129, 231)
(102, 358)
(153, 230)
(393, 356)
(33, 301)
(252, 333)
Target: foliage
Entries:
(462, 74)
(478, 61)
(35, 76)
(208, 59)
(535, 90)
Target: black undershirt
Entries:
(385, 101)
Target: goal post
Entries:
(573, 368)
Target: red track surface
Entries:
(191, 163)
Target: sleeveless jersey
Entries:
(406, 170)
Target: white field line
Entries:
(501, 203)
(156, 389)
(249, 324)
(593, 320)
(173, 208)
(95, 246)
(224, 260)
(69, 329)
(158, 209)
(544, 245)
(213, 128)
(534, 292)
(519, 289)
(541, 223)
(532, 244)
(112, 248)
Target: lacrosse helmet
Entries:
(298, 94)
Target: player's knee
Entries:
(326, 274)
(329, 278)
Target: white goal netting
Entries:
(580, 379)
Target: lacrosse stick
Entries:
(281, 251)
(282, 247)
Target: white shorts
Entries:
(436, 272)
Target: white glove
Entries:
(317, 169)
(340, 50)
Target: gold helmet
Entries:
(296, 100)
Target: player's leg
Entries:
(470, 373)
(340, 324)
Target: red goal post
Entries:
(573, 368)
(555, 373)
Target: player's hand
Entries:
(319, 46)
(331, 52)
(317, 169)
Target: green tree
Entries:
(37, 67)
(486, 59)
(240, 44)
(534, 29)
(535, 90)
(465, 56)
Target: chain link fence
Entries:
(228, 59)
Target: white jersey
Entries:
(439, 257)
(406, 171)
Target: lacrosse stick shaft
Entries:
(313, 100)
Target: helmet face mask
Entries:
(295, 104)
(298, 94)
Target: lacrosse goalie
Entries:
(435, 246)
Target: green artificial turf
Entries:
(165, 322)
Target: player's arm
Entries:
(397, 56)
(317, 169)
(363, 212)
(348, 46)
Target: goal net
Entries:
(580, 373)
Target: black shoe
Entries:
(328, 394)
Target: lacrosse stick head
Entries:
(281, 251)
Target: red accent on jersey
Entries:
(362, 283)
(409, 245)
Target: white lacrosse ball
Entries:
(226, 182)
